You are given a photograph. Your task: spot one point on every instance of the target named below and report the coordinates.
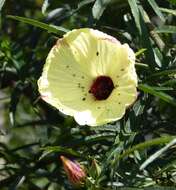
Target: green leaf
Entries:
(2, 3)
(83, 3)
(99, 137)
(169, 11)
(156, 9)
(95, 169)
(50, 28)
(99, 7)
(139, 52)
(15, 97)
(53, 149)
(143, 145)
(169, 82)
(45, 6)
(135, 13)
(138, 108)
(162, 73)
(112, 128)
(150, 90)
(166, 29)
(162, 88)
(139, 18)
(146, 39)
(142, 65)
(157, 154)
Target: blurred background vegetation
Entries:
(139, 150)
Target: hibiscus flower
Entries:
(91, 76)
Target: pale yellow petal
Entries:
(64, 80)
(74, 63)
(93, 50)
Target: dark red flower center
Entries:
(102, 87)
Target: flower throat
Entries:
(102, 87)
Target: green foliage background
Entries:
(139, 150)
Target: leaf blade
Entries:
(2, 4)
(49, 28)
(166, 29)
(156, 9)
(157, 154)
(148, 89)
(169, 11)
(99, 7)
(135, 13)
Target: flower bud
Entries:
(74, 171)
(95, 169)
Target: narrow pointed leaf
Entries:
(166, 29)
(144, 145)
(56, 149)
(140, 52)
(156, 9)
(148, 89)
(157, 154)
(1, 4)
(50, 28)
(83, 3)
(45, 6)
(169, 11)
(135, 13)
(99, 7)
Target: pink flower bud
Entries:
(74, 171)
